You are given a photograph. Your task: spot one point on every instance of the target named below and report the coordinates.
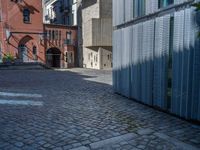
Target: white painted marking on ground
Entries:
(20, 102)
(20, 94)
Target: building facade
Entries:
(24, 35)
(156, 54)
(63, 12)
(21, 30)
(60, 45)
(97, 34)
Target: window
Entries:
(69, 57)
(69, 37)
(66, 57)
(56, 34)
(53, 35)
(164, 3)
(59, 35)
(49, 34)
(68, 20)
(34, 53)
(26, 15)
(141, 6)
(34, 50)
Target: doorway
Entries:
(53, 57)
(23, 53)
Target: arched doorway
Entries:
(53, 57)
(23, 49)
(23, 53)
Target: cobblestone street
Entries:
(77, 109)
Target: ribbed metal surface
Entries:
(141, 63)
(117, 37)
(151, 6)
(136, 61)
(128, 10)
(147, 61)
(119, 12)
(196, 73)
(161, 51)
(125, 10)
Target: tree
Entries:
(197, 5)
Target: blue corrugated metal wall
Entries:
(141, 55)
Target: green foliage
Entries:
(8, 58)
(197, 5)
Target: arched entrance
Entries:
(23, 53)
(53, 57)
(23, 49)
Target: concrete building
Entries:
(156, 54)
(23, 35)
(62, 12)
(97, 33)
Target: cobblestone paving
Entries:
(81, 112)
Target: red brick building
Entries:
(23, 34)
(60, 44)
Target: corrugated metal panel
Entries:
(147, 61)
(136, 8)
(196, 73)
(180, 1)
(188, 47)
(160, 61)
(177, 61)
(151, 6)
(145, 74)
(186, 72)
(114, 11)
(117, 65)
(128, 10)
(120, 12)
(125, 71)
(135, 63)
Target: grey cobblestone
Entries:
(80, 110)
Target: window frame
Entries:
(26, 14)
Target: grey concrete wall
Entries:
(97, 33)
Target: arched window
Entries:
(26, 15)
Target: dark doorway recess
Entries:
(53, 57)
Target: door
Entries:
(23, 53)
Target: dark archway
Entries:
(53, 57)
